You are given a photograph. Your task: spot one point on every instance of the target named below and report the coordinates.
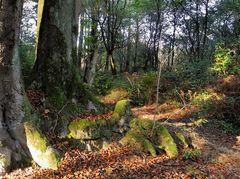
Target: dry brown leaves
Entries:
(123, 162)
(91, 116)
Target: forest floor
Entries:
(219, 158)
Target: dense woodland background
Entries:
(176, 62)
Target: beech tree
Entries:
(55, 71)
(13, 144)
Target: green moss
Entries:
(158, 134)
(182, 139)
(137, 140)
(42, 153)
(145, 124)
(101, 122)
(82, 124)
(85, 129)
(35, 138)
(192, 154)
(166, 142)
(70, 110)
(116, 95)
(120, 108)
(57, 97)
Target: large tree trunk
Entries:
(55, 46)
(12, 137)
(55, 70)
(17, 141)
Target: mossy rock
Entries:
(42, 153)
(122, 112)
(166, 142)
(180, 136)
(116, 95)
(138, 141)
(142, 124)
(158, 134)
(95, 145)
(121, 108)
(86, 129)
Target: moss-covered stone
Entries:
(158, 134)
(144, 124)
(166, 142)
(137, 140)
(85, 129)
(42, 153)
(121, 108)
(182, 139)
(122, 113)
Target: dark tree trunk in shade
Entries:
(12, 136)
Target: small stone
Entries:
(238, 140)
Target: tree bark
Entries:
(91, 62)
(111, 60)
(128, 59)
(136, 46)
(205, 27)
(55, 69)
(17, 140)
(12, 136)
(80, 39)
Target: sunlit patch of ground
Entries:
(164, 111)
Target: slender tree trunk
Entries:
(127, 65)
(198, 40)
(111, 60)
(80, 45)
(136, 46)
(91, 62)
(75, 19)
(174, 38)
(205, 28)
(169, 55)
